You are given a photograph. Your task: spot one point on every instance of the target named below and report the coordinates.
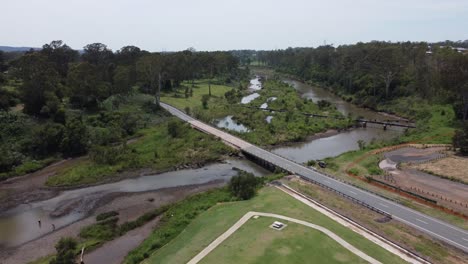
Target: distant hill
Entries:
(16, 49)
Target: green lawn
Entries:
(212, 223)
(200, 89)
(256, 242)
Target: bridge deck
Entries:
(436, 228)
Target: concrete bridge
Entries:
(450, 234)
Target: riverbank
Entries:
(156, 151)
(129, 206)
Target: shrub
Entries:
(354, 171)
(65, 251)
(109, 155)
(204, 100)
(175, 128)
(243, 186)
(460, 139)
(106, 215)
(362, 144)
(104, 230)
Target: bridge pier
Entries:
(265, 164)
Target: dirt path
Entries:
(116, 250)
(130, 206)
(448, 193)
(248, 215)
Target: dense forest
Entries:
(59, 102)
(375, 73)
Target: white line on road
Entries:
(466, 239)
(421, 221)
(383, 205)
(353, 192)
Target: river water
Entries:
(336, 144)
(20, 224)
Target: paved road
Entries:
(436, 228)
(248, 215)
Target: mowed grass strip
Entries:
(256, 242)
(215, 221)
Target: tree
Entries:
(204, 100)
(454, 75)
(243, 186)
(75, 137)
(61, 55)
(46, 139)
(7, 99)
(97, 54)
(122, 80)
(150, 69)
(65, 251)
(40, 82)
(86, 86)
(175, 128)
(460, 139)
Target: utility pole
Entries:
(209, 82)
(158, 91)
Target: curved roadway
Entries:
(436, 228)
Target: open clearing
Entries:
(201, 88)
(299, 242)
(212, 223)
(450, 167)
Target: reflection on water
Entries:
(228, 123)
(316, 93)
(20, 224)
(334, 145)
(342, 142)
(255, 84)
(249, 98)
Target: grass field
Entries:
(212, 223)
(200, 89)
(256, 242)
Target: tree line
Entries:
(376, 72)
(66, 94)
(57, 71)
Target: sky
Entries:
(173, 25)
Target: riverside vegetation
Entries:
(57, 103)
(289, 124)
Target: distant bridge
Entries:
(433, 227)
(364, 122)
